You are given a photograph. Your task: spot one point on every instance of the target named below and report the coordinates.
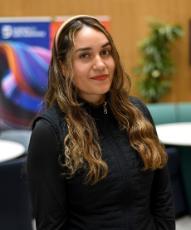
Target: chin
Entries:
(104, 89)
(102, 92)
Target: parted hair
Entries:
(81, 144)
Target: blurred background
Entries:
(128, 25)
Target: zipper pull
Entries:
(105, 107)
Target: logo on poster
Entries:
(8, 31)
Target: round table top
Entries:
(175, 133)
(10, 150)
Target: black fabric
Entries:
(177, 181)
(15, 208)
(128, 198)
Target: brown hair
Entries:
(82, 142)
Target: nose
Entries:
(99, 63)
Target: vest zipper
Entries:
(105, 107)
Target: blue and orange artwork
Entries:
(23, 82)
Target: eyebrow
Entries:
(89, 48)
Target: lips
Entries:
(100, 77)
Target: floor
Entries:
(183, 223)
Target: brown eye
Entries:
(106, 52)
(85, 56)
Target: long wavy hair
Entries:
(81, 144)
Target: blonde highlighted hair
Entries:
(82, 141)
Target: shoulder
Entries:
(138, 103)
(141, 106)
(53, 115)
(43, 152)
(42, 132)
(43, 144)
(54, 120)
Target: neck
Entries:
(94, 101)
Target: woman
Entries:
(95, 161)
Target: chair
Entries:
(162, 112)
(184, 112)
(15, 208)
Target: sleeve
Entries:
(47, 186)
(162, 205)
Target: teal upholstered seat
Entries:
(163, 112)
(183, 112)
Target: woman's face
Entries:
(93, 64)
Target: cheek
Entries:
(77, 81)
(79, 69)
(76, 74)
(112, 67)
(111, 64)
(79, 78)
(81, 72)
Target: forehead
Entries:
(88, 37)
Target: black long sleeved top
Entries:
(129, 198)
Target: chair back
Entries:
(184, 112)
(162, 112)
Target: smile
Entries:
(100, 77)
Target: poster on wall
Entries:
(24, 58)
